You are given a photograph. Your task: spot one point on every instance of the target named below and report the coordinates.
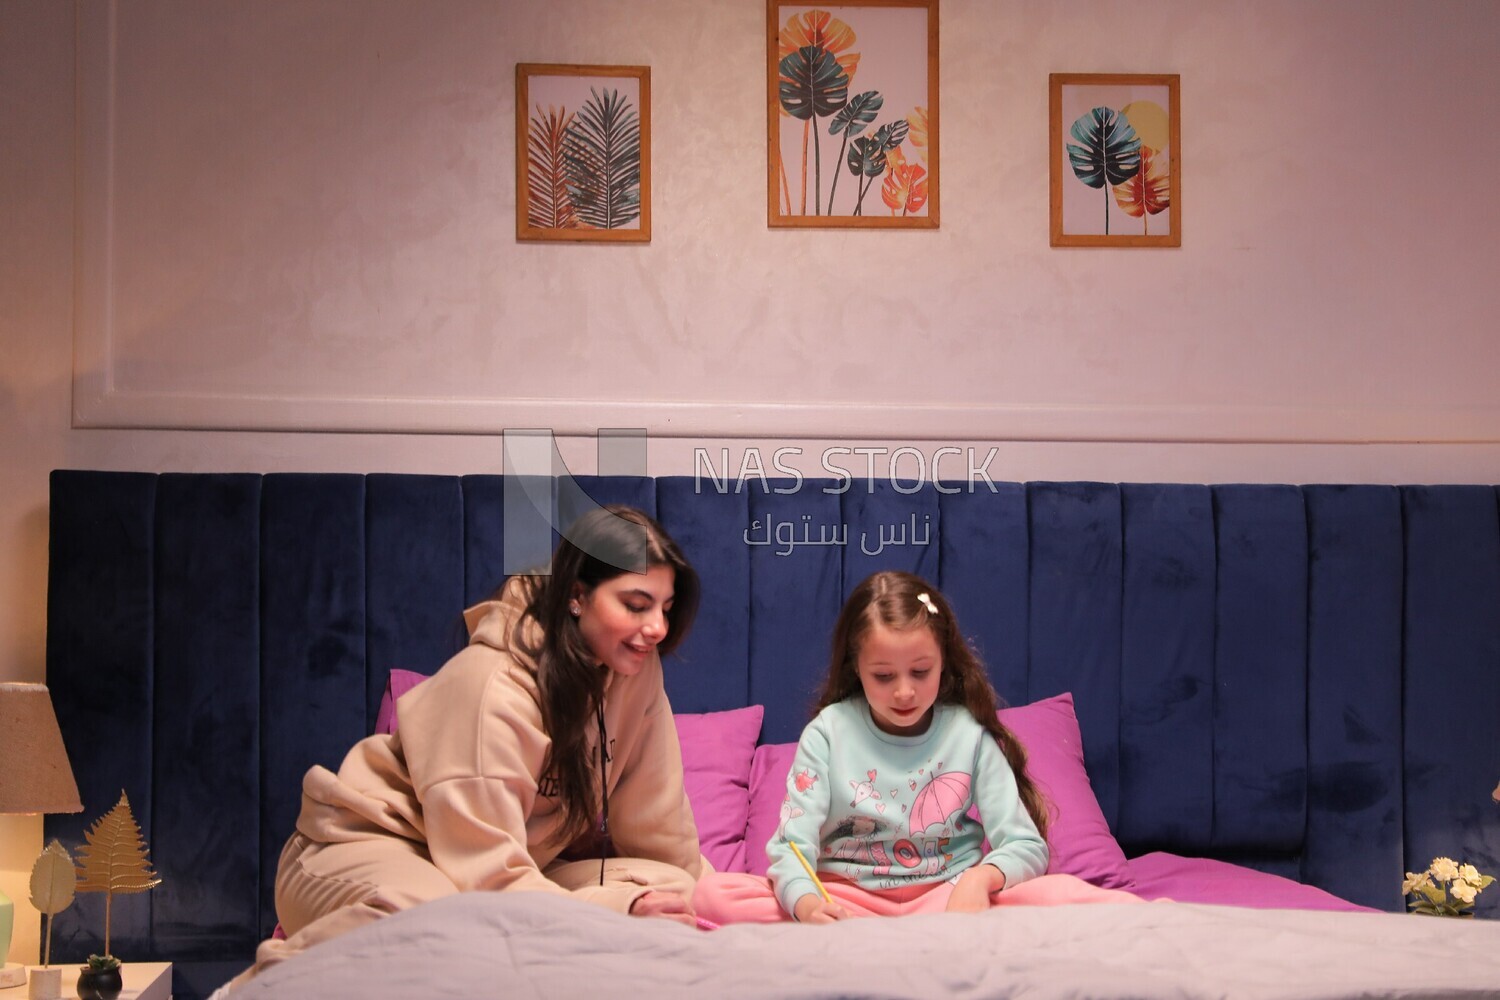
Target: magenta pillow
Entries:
(400, 682)
(773, 762)
(1079, 839)
(717, 748)
(716, 752)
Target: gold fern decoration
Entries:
(52, 887)
(114, 859)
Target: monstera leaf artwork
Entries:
(1107, 151)
(875, 156)
(813, 85)
(905, 187)
(817, 29)
(852, 119)
(814, 56)
(1148, 191)
(1115, 142)
(583, 166)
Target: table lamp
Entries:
(34, 778)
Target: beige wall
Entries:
(310, 224)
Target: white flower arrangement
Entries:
(1445, 889)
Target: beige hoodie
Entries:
(461, 775)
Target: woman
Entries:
(493, 779)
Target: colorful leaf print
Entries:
(547, 203)
(866, 159)
(1107, 152)
(905, 186)
(820, 29)
(813, 86)
(852, 119)
(1149, 191)
(867, 156)
(918, 122)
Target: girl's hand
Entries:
(664, 904)
(971, 894)
(812, 909)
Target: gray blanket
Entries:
(522, 945)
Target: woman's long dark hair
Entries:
(890, 598)
(604, 543)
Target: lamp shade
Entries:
(34, 776)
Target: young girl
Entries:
(882, 791)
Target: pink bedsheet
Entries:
(1200, 880)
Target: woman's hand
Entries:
(812, 909)
(971, 894)
(657, 903)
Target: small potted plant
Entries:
(1445, 889)
(100, 979)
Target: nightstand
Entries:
(143, 981)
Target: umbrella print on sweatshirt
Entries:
(942, 798)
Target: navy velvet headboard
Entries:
(1306, 679)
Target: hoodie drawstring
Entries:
(604, 758)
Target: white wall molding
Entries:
(131, 374)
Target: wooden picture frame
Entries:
(854, 86)
(1099, 125)
(583, 153)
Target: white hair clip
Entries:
(928, 604)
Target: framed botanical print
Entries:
(852, 115)
(1116, 160)
(583, 153)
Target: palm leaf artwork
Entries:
(114, 859)
(821, 29)
(813, 85)
(1149, 191)
(548, 205)
(602, 161)
(1107, 152)
(52, 888)
(852, 119)
(905, 186)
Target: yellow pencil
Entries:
(810, 873)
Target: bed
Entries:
(525, 945)
(1263, 702)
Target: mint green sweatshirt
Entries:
(887, 811)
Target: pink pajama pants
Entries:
(734, 897)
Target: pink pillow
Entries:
(773, 762)
(716, 752)
(400, 682)
(1080, 841)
